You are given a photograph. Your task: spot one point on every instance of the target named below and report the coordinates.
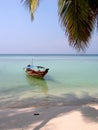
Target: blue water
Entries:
(68, 75)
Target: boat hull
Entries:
(37, 74)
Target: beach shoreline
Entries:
(73, 117)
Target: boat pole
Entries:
(32, 62)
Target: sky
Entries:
(45, 35)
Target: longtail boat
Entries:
(36, 71)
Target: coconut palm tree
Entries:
(78, 18)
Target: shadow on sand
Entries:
(51, 108)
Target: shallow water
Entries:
(69, 78)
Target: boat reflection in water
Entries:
(38, 84)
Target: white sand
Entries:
(53, 118)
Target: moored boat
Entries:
(36, 71)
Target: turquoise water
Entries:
(72, 76)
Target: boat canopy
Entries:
(29, 67)
(34, 67)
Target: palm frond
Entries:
(32, 5)
(77, 20)
(94, 7)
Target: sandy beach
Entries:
(75, 117)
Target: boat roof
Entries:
(31, 66)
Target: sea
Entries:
(72, 79)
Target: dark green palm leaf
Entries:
(94, 7)
(78, 21)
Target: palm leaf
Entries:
(94, 7)
(77, 20)
(32, 5)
